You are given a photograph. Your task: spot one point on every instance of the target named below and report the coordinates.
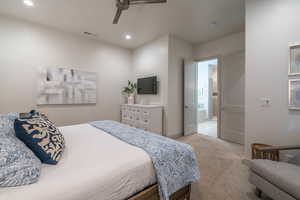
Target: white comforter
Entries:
(94, 166)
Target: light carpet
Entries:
(223, 176)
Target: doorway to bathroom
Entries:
(208, 97)
(214, 97)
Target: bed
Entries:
(100, 167)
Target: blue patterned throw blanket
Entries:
(175, 163)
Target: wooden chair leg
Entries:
(258, 192)
(188, 195)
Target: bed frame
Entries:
(151, 193)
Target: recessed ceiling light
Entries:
(28, 3)
(128, 37)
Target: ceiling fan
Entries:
(125, 4)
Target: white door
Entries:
(233, 98)
(190, 97)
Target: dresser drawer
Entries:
(145, 112)
(142, 126)
(124, 116)
(147, 118)
(144, 121)
(138, 111)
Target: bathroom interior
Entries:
(207, 112)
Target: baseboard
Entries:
(233, 136)
(174, 136)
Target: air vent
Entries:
(90, 34)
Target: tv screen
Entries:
(147, 85)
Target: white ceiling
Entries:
(188, 19)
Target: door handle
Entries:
(186, 107)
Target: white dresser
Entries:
(146, 117)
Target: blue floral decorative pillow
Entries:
(41, 136)
(18, 165)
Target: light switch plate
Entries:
(265, 102)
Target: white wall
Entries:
(223, 46)
(164, 58)
(270, 26)
(24, 47)
(179, 50)
(151, 59)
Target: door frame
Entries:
(220, 91)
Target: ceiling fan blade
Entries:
(133, 2)
(124, 5)
(117, 16)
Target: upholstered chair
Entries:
(272, 177)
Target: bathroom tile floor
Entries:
(209, 128)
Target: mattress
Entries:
(94, 166)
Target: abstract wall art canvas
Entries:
(66, 86)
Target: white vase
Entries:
(130, 99)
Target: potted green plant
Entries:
(130, 91)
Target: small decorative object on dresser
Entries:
(146, 117)
(130, 91)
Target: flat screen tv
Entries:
(147, 85)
